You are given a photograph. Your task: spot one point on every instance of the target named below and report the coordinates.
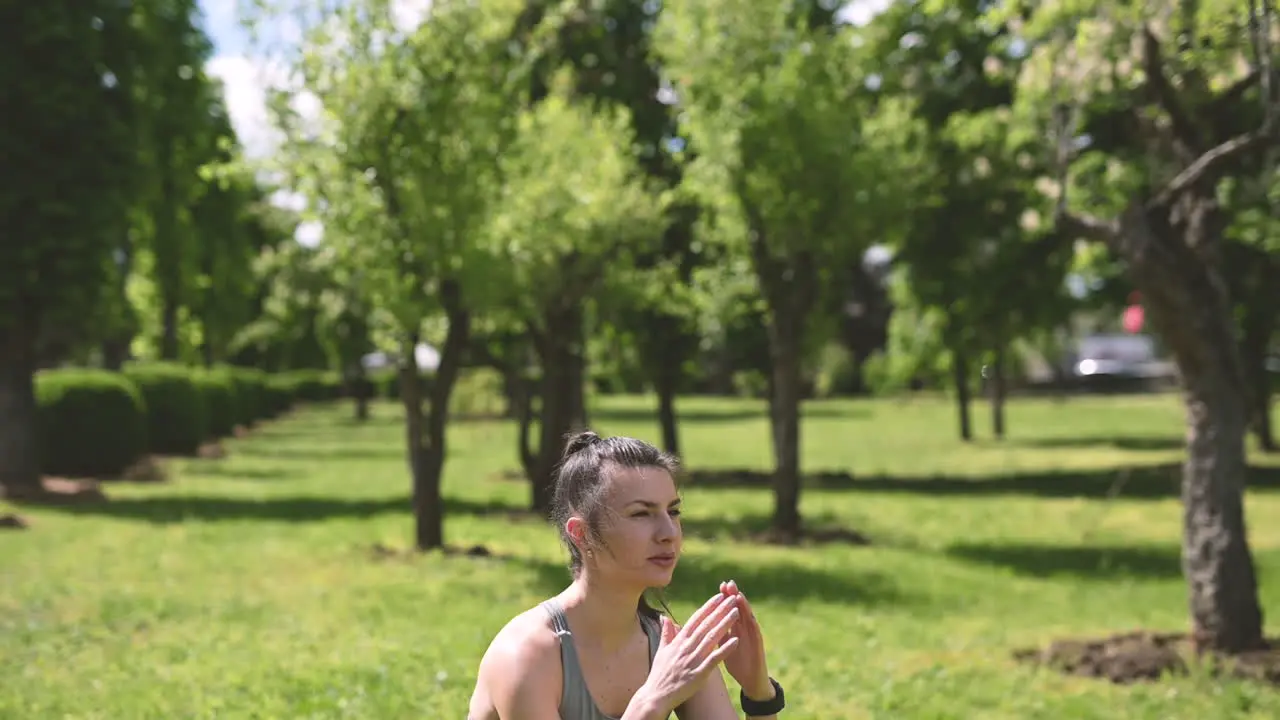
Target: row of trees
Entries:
(520, 171)
(519, 181)
(121, 239)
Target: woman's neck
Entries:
(605, 615)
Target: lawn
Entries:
(247, 587)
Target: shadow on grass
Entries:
(1123, 442)
(727, 414)
(198, 470)
(297, 509)
(1095, 562)
(1145, 482)
(698, 576)
(333, 449)
(757, 528)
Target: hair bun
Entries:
(581, 441)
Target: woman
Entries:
(598, 650)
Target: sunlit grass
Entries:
(246, 588)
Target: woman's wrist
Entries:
(646, 705)
(760, 692)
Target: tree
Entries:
(403, 168)
(1166, 120)
(61, 219)
(575, 211)
(970, 253)
(800, 171)
(180, 121)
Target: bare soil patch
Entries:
(211, 451)
(13, 522)
(1142, 656)
(382, 551)
(58, 491)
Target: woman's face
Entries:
(640, 530)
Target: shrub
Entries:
(279, 393)
(91, 423)
(316, 385)
(219, 402)
(250, 385)
(478, 393)
(177, 421)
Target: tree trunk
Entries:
(168, 255)
(784, 413)
(169, 327)
(999, 391)
(577, 382)
(19, 449)
(425, 436)
(1173, 258)
(561, 411)
(358, 385)
(960, 376)
(665, 384)
(790, 285)
(664, 350)
(114, 354)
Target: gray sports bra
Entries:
(576, 702)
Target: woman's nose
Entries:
(668, 527)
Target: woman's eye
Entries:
(674, 513)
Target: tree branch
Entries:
(1226, 100)
(1213, 164)
(1095, 229)
(1185, 132)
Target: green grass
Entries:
(246, 587)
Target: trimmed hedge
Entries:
(91, 423)
(219, 402)
(316, 385)
(97, 423)
(177, 419)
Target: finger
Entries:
(696, 618)
(729, 635)
(668, 630)
(709, 621)
(717, 632)
(717, 656)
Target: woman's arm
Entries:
(711, 702)
(522, 684)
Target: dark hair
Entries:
(580, 485)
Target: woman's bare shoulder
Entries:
(526, 637)
(520, 668)
(526, 649)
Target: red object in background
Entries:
(1133, 318)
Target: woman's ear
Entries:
(576, 528)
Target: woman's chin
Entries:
(658, 577)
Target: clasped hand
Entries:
(725, 630)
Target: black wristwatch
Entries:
(755, 708)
